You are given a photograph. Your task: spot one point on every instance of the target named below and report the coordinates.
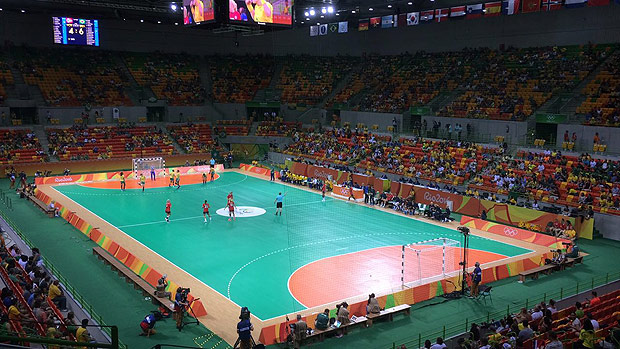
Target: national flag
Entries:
(510, 7)
(426, 16)
(441, 14)
(492, 9)
(375, 22)
(387, 21)
(363, 25)
(323, 29)
(314, 30)
(530, 6)
(402, 20)
(458, 11)
(413, 18)
(551, 5)
(474, 11)
(598, 2)
(575, 3)
(333, 28)
(395, 21)
(343, 27)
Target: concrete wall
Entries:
(231, 111)
(382, 119)
(565, 27)
(485, 128)
(66, 115)
(585, 137)
(607, 225)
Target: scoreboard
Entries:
(75, 31)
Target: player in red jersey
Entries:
(205, 211)
(231, 209)
(323, 191)
(230, 197)
(168, 209)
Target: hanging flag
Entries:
(363, 25)
(323, 29)
(441, 14)
(426, 16)
(475, 11)
(402, 20)
(510, 7)
(333, 28)
(314, 30)
(387, 21)
(551, 5)
(395, 21)
(598, 2)
(575, 3)
(343, 27)
(413, 18)
(458, 12)
(492, 9)
(530, 6)
(375, 22)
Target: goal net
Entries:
(144, 165)
(428, 259)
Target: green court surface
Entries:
(251, 259)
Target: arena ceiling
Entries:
(160, 10)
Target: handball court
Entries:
(316, 254)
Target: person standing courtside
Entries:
(476, 277)
(279, 201)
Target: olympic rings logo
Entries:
(510, 231)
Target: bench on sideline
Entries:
(48, 210)
(388, 313)
(130, 276)
(549, 268)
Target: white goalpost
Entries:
(145, 164)
(427, 259)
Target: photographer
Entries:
(180, 303)
(160, 290)
(244, 329)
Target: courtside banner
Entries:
(344, 192)
(299, 168)
(514, 215)
(362, 179)
(513, 232)
(458, 203)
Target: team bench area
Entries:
(549, 268)
(130, 276)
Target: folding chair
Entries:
(484, 291)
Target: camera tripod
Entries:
(188, 322)
(238, 342)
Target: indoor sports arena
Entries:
(301, 173)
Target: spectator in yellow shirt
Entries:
(82, 335)
(57, 296)
(14, 313)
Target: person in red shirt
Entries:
(230, 197)
(205, 211)
(595, 300)
(231, 209)
(168, 209)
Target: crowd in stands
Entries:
(6, 78)
(73, 77)
(237, 78)
(278, 128)
(20, 146)
(193, 138)
(307, 80)
(103, 142)
(32, 302)
(173, 77)
(225, 128)
(602, 104)
(512, 84)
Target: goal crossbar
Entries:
(433, 245)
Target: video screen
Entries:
(279, 12)
(75, 31)
(197, 11)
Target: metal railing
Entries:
(461, 327)
(67, 285)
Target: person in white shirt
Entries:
(595, 323)
(537, 314)
(439, 344)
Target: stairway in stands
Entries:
(39, 131)
(177, 147)
(135, 92)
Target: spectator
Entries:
(439, 344)
(82, 335)
(554, 343)
(586, 336)
(57, 296)
(526, 333)
(595, 299)
(373, 305)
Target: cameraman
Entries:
(244, 329)
(180, 302)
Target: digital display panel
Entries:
(75, 31)
(197, 11)
(268, 12)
